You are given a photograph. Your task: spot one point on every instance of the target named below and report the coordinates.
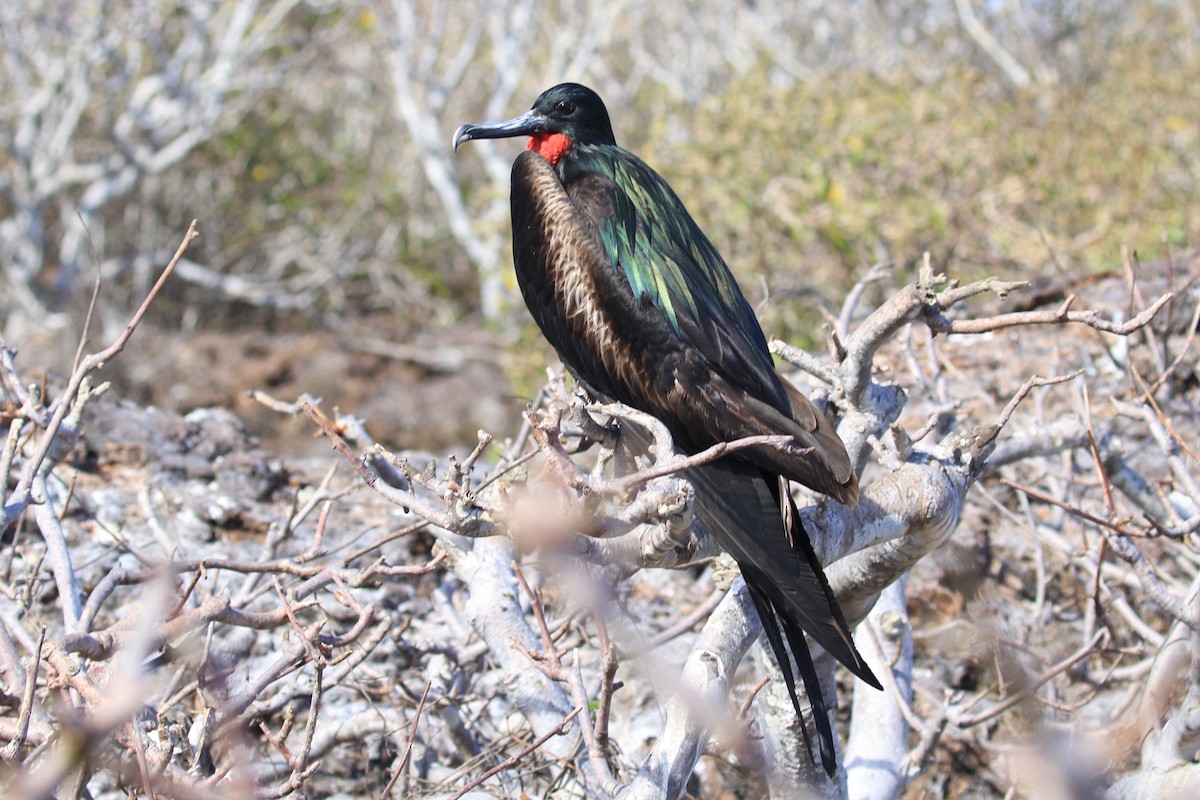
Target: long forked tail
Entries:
(752, 516)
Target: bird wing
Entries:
(647, 234)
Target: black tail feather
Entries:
(844, 650)
(816, 697)
(771, 626)
(753, 518)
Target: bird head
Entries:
(561, 117)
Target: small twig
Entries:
(547, 432)
(624, 484)
(873, 275)
(309, 649)
(697, 615)
(871, 642)
(91, 309)
(66, 503)
(301, 767)
(327, 426)
(1028, 387)
(535, 602)
(749, 701)
(282, 406)
(1162, 418)
(1152, 584)
(517, 446)
(920, 756)
(935, 419)
(1098, 582)
(1101, 473)
(320, 573)
(608, 662)
(1187, 346)
(804, 361)
(412, 735)
(598, 755)
(508, 762)
(285, 730)
(1031, 689)
(293, 783)
(1075, 512)
(551, 665)
(18, 741)
(401, 497)
(66, 402)
(9, 451)
(314, 549)
(484, 440)
(139, 749)
(381, 541)
(1058, 316)
(187, 593)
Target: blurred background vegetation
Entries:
(344, 245)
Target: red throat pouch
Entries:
(550, 146)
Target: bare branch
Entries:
(561, 730)
(1059, 316)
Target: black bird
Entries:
(642, 309)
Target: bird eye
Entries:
(564, 106)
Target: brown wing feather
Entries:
(827, 468)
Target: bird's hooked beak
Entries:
(528, 124)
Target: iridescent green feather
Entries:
(666, 257)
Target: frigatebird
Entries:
(642, 309)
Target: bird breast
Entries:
(571, 288)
